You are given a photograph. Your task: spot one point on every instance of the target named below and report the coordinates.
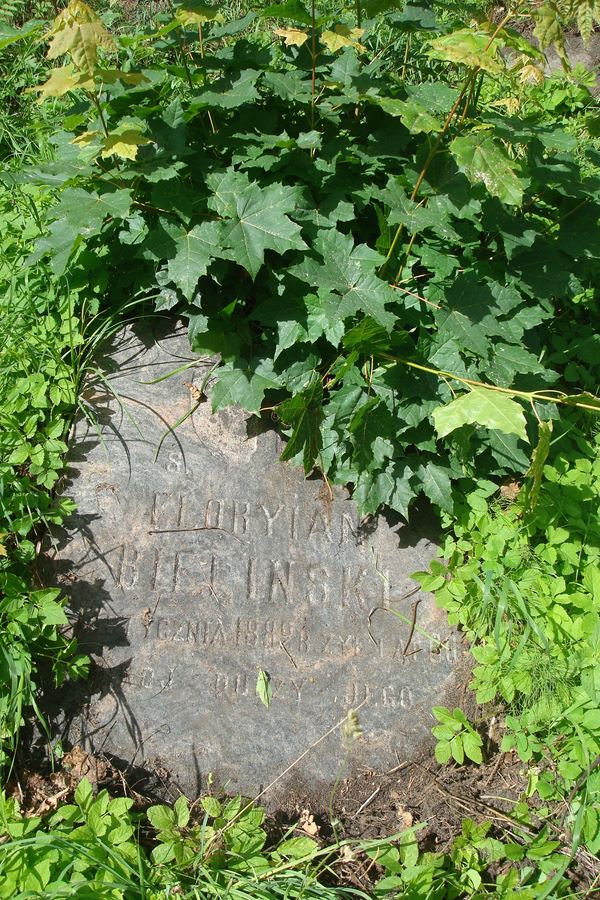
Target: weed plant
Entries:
(92, 848)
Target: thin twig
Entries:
(367, 801)
(413, 623)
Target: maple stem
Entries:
(468, 98)
(544, 396)
(313, 64)
(358, 14)
(185, 50)
(466, 86)
(93, 97)
(425, 168)
(406, 255)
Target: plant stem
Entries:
(466, 86)
(185, 50)
(358, 14)
(201, 49)
(557, 396)
(425, 168)
(313, 63)
(96, 102)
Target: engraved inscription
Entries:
(238, 516)
(212, 560)
(194, 570)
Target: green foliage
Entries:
(40, 336)
(401, 261)
(93, 848)
(527, 865)
(524, 583)
(31, 626)
(264, 689)
(456, 737)
(269, 193)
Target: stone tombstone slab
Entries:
(193, 569)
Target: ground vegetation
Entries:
(383, 219)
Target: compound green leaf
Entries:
(443, 752)
(472, 747)
(484, 160)
(481, 406)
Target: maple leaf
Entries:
(347, 282)
(293, 37)
(192, 12)
(195, 250)
(79, 31)
(304, 412)
(243, 383)
(436, 484)
(124, 143)
(483, 160)
(342, 37)
(60, 82)
(86, 137)
(481, 406)
(255, 218)
(469, 48)
(87, 210)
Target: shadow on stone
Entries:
(191, 570)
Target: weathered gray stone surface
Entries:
(191, 571)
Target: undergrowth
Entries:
(388, 230)
(99, 847)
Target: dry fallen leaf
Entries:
(80, 764)
(405, 817)
(509, 489)
(194, 391)
(307, 823)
